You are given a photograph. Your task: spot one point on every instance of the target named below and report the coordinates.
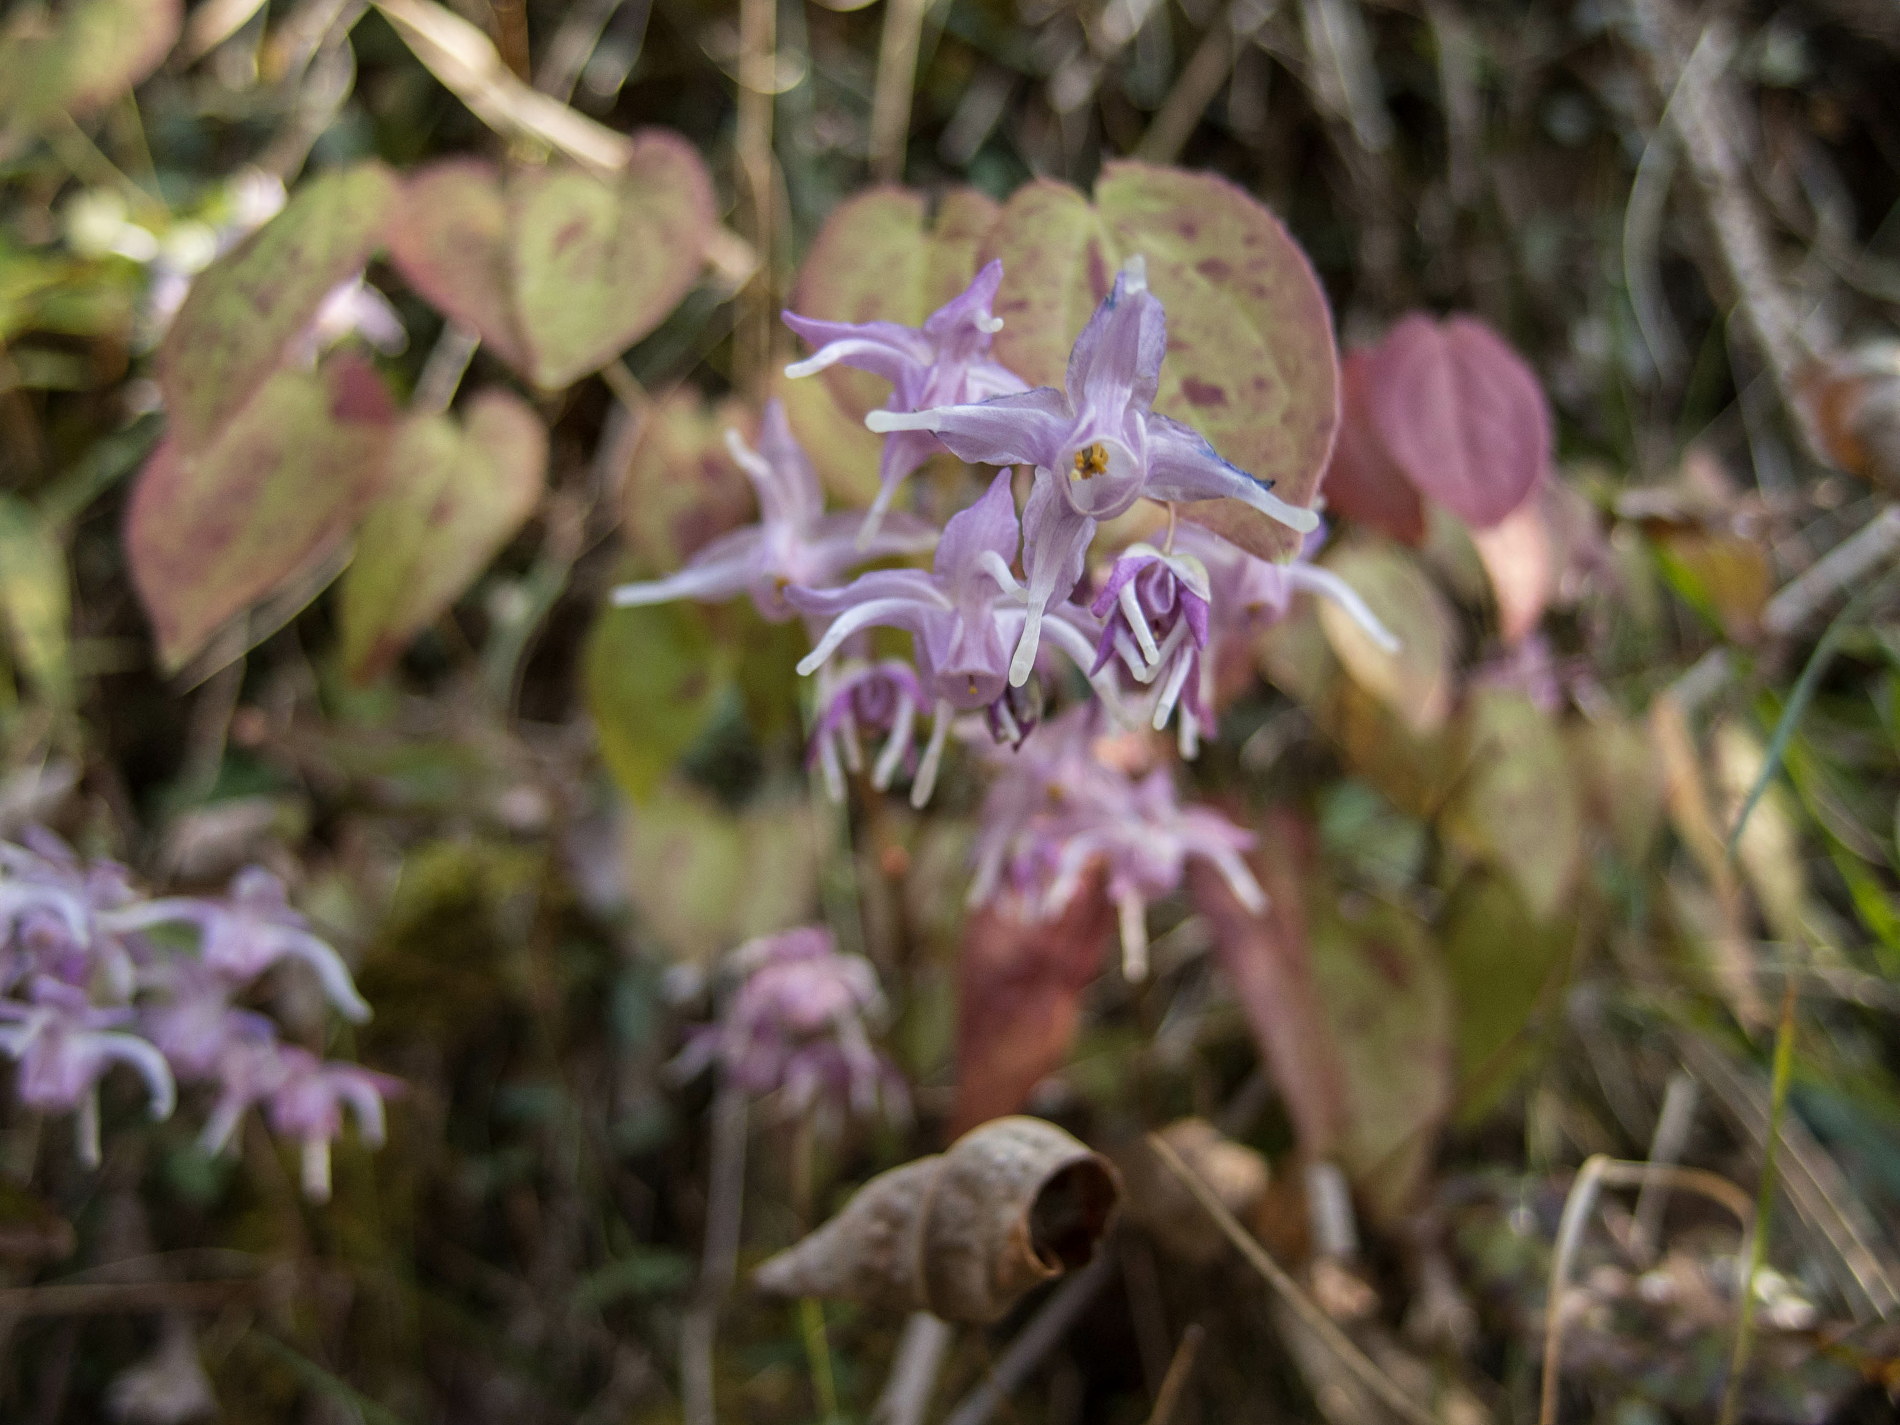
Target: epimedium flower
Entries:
(961, 616)
(53, 910)
(796, 1026)
(64, 1045)
(303, 1097)
(1097, 446)
(945, 362)
(1062, 809)
(795, 544)
(249, 931)
(863, 697)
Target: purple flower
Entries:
(195, 1023)
(1097, 447)
(1156, 608)
(961, 617)
(1059, 810)
(307, 1104)
(794, 544)
(946, 362)
(1249, 594)
(859, 698)
(796, 1026)
(51, 914)
(249, 931)
(64, 1045)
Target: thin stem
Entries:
(913, 1380)
(758, 83)
(811, 1322)
(1764, 1206)
(896, 82)
(725, 1202)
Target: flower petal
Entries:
(881, 348)
(987, 526)
(1029, 428)
(1183, 466)
(1116, 361)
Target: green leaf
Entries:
(1416, 682)
(1251, 362)
(456, 495)
(36, 598)
(1520, 808)
(210, 532)
(81, 56)
(682, 489)
(246, 308)
(1499, 959)
(653, 677)
(599, 264)
(450, 240)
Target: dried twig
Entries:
(913, 1379)
(725, 1201)
(1174, 1384)
(896, 82)
(1318, 1322)
(1045, 1329)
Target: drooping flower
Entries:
(53, 911)
(307, 1104)
(796, 1026)
(795, 544)
(1060, 810)
(961, 617)
(1097, 446)
(1157, 613)
(863, 698)
(945, 362)
(250, 930)
(64, 1044)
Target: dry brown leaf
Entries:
(961, 1234)
(1161, 1205)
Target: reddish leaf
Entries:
(1461, 414)
(1362, 482)
(244, 310)
(1250, 360)
(1517, 555)
(681, 488)
(1019, 999)
(210, 532)
(1268, 961)
(449, 240)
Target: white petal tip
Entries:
(809, 664)
(810, 366)
(992, 325)
(1135, 271)
(883, 422)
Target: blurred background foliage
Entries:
(1529, 929)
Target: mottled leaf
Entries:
(599, 263)
(36, 599)
(82, 54)
(1362, 481)
(705, 879)
(1622, 782)
(211, 531)
(1250, 360)
(1267, 959)
(244, 310)
(1461, 414)
(653, 676)
(450, 240)
(1520, 808)
(1522, 567)
(1417, 681)
(456, 493)
(1499, 962)
(681, 488)
(1019, 998)
(1389, 1011)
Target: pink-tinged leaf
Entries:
(449, 239)
(1251, 362)
(82, 55)
(211, 532)
(245, 309)
(881, 256)
(1019, 999)
(599, 263)
(1462, 414)
(1268, 960)
(456, 494)
(681, 489)
(1520, 807)
(1522, 566)
(1362, 481)
(1418, 680)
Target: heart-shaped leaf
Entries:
(36, 599)
(598, 263)
(1462, 414)
(681, 489)
(455, 496)
(1500, 961)
(243, 310)
(653, 676)
(1250, 364)
(1417, 681)
(86, 54)
(450, 241)
(1362, 481)
(1520, 808)
(211, 531)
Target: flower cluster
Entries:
(1073, 802)
(795, 1027)
(93, 974)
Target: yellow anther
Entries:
(1091, 460)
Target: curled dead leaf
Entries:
(961, 1234)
